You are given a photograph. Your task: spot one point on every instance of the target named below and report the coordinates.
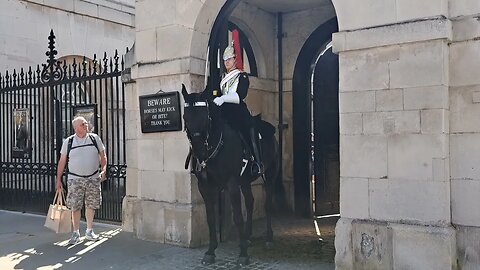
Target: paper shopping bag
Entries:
(59, 216)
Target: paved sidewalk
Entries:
(26, 244)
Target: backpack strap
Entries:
(70, 142)
(94, 141)
(84, 176)
(69, 146)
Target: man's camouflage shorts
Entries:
(84, 189)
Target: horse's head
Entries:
(196, 114)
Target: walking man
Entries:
(85, 154)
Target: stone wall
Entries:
(408, 139)
(82, 27)
(464, 93)
(163, 202)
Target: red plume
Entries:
(238, 48)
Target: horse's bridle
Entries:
(203, 163)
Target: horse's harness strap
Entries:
(196, 104)
(203, 164)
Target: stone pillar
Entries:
(394, 136)
(163, 203)
(465, 130)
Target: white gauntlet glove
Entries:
(218, 100)
(228, 98)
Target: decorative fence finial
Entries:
(52, 71)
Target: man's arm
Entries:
(60, 168)
(103, 164)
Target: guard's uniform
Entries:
(234, 86)
(237, 115)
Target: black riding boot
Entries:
(257, 164)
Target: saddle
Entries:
(264, 128)
(252, 146)
(261, 127)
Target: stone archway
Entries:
(207, 29)
(217, 41)
(161, 64)
(302, 113)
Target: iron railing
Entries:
(36, 109)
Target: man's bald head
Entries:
(78, 120)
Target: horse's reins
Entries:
(203, 163)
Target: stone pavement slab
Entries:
(26, 244)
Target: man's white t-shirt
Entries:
(83, 158)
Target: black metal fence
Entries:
(36, 109)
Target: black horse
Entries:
(218, 150)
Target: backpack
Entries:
(69, 148)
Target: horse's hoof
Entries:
(269, 245)
(242, 261)
(208, 259)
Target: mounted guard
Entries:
(234, 88)
(218, 151)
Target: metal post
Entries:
(281, 126)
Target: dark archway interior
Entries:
(302, 114)
(326, 162)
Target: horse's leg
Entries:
(248, 195)
(234, 192)
(269, 205)
(208, 194)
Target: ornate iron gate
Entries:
(36, 109)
